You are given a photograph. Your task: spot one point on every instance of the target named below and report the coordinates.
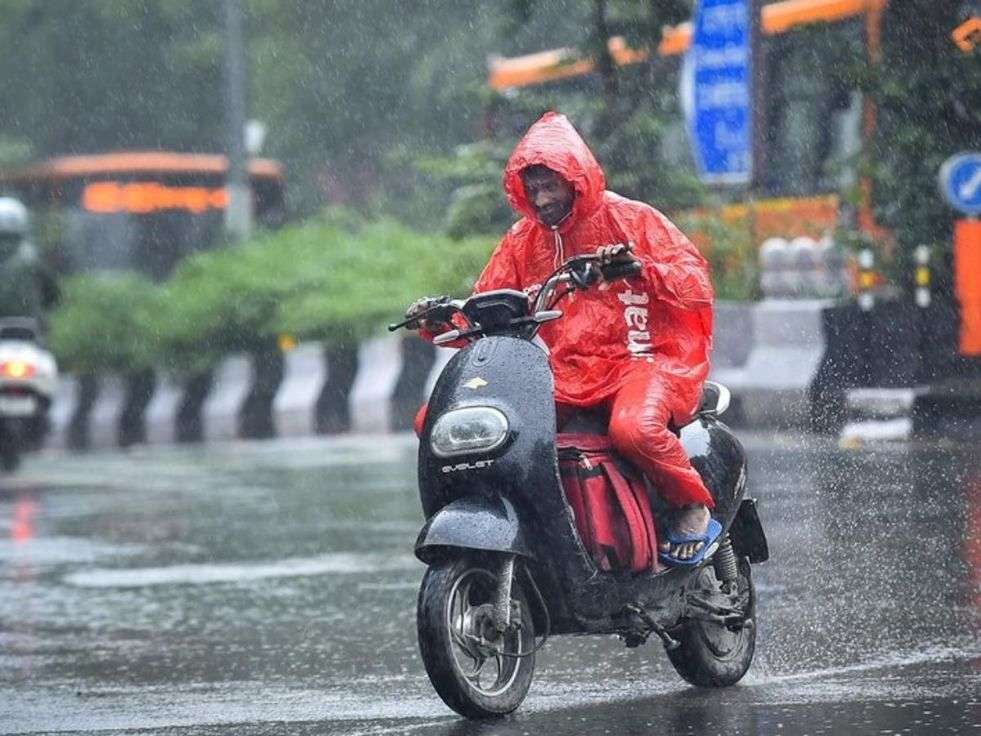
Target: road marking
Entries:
(342, 563)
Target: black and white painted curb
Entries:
(789, 363)
(394, 375)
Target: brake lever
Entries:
(586, 277)
(440, 305)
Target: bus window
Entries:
(813, 111)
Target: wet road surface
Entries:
(269, 588)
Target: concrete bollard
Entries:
(232, 381)
(255, 415)
(332, 412)
(131, 424)
(79, 436)
(774, 268)
(161, 414)
(418, 357)
(189, 423)
(380, 359)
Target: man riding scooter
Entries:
(27, 372)
(635, 349)
(27, 288)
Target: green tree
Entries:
(629, 116)
(105, 75)
(928, 95)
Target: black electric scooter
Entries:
(506, 564)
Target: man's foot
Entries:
(691, 521)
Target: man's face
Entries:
(550, 195)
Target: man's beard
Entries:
(553, 216)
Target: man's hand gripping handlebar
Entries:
(429, 312)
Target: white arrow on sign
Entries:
(969, 188)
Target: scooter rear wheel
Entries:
(476, 671)
(713, 654)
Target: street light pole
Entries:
(238, 211)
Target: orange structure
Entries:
(143, 162)
(141, 182)
(557, 64)
(967, 282)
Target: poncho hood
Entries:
(553, 142)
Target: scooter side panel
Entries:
(512, 375)
(719, 458)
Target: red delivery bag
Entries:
(611, 507)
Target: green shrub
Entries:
(106, 323)
(328, 279)
(227, 300)
(333, 278)
(366, 279)
(728, 247)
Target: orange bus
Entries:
(140, 211)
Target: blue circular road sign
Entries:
(960, 182)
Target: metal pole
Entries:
(238, 211)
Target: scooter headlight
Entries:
(466, 430)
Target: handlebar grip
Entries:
(620, 270)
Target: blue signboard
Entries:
(720, 65)
(960, 182)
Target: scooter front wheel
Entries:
(477, 670)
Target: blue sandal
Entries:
(711, 534)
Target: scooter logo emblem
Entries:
(475, 383)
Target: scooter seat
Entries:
(585, 441)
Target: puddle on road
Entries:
(58, 550)
(338, 563)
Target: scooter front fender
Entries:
(487, 523)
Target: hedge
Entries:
(328, 279)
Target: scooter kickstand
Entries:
(670, 643)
